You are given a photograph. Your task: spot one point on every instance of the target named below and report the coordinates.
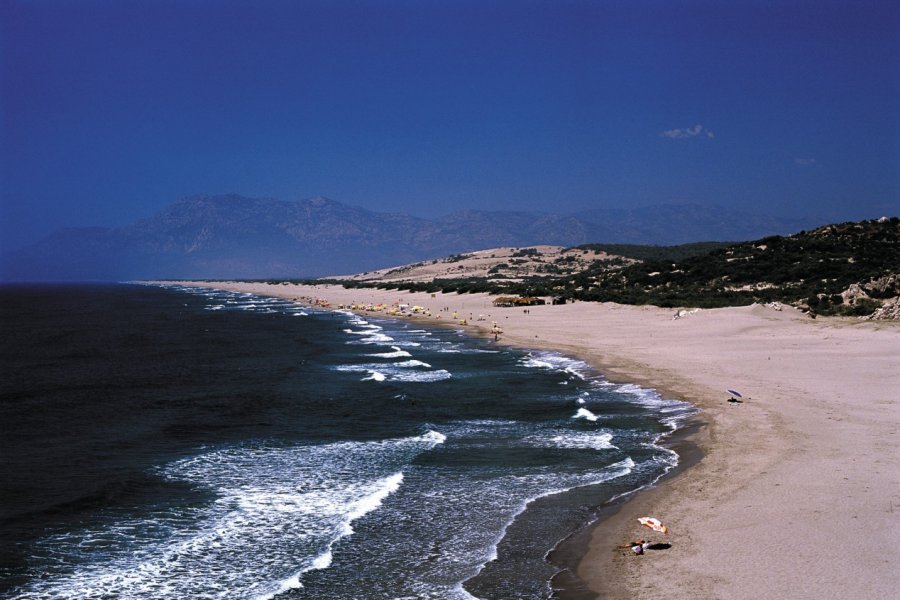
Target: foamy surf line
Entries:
(574, 367)
(614, 471)
(395, 352)
(366, 505)
(274, 509)
(228, 300)
(575, 371)
(407, 371)
(670, 412)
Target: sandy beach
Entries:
(797, 491)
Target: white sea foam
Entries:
(422, 376)
(550, 360)
(407, 343)
(275, 509)
(436, 437)
(673, 412)
(411, 371)
(226, 300)
(485, 508)
(396, 352)
(535, 363)
(473, 513)
(583, 413)
(613, 471)
(412, 363)
(375, 376)
(372, 337)
(579, 440)
(355, 511)
(445, 347)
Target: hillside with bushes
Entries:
(841, 269)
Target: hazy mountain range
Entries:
(238, 237)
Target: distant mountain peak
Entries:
(229, 235)
(320, 201)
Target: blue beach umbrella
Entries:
(734, 393)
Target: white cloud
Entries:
(804, 162)
(689, 132)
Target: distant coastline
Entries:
(767, 464)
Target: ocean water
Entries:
(167, 442)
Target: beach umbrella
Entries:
(653, 524)
(734, 393)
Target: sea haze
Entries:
(174, 442)
(226, 237)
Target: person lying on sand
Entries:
(637, 547)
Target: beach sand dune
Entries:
(797, 493)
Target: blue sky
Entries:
(109, 110)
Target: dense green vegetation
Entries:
(644, 253)
(810, 268)
(532, 286)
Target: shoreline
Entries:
(793, 492)
(612, 516)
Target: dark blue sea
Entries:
(190, 443)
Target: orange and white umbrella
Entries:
(653, 524)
